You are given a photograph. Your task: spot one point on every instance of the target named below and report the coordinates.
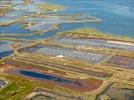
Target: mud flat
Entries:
(4, 8)
(42, 97)
(49, 94)
(79, 64)
(120, 94)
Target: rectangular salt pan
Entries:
(67, 53)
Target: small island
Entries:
(50, 7)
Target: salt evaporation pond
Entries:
(66, 52)
(95, 43)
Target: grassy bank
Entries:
(89, 32)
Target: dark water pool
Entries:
(47, 77)
(5, 53)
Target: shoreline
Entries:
(94, 33)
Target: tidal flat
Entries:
(66, 50)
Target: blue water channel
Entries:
(14, 29)
(5, 53)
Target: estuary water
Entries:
(117, 15)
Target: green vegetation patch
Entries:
(95, 33)
(17, 89)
